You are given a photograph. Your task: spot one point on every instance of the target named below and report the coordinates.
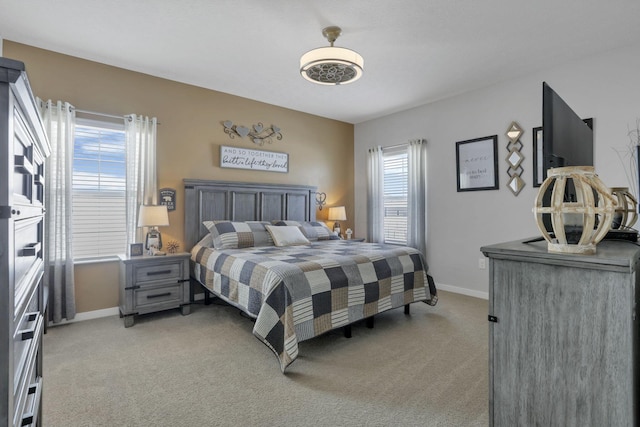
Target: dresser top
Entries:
(615, 255)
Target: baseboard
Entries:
(463, 291)
(88, 315)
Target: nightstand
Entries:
(153, 283)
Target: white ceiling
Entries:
(415, 51)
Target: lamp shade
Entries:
(337, 213)
(153, 216)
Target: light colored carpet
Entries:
(207, 369)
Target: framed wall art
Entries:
(477, 164)
(167, 197)
(244, 158)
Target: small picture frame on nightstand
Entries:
(136, 249)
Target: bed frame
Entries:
(239, 201)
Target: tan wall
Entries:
(189, 138)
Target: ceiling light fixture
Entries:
(331, 65)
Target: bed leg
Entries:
(207, 297)
(347, 331)
(369, 322)
(407, 310)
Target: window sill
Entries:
(97, 260)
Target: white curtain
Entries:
(142, 187)
(417, 195)
(59, 123)
(375, 196)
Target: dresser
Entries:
(563, 336)
(153, 283)
(23, 148)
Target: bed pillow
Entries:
(313, 230)
(287, 235)
(238, 235)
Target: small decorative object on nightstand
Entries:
(136, 249)
(173, 246)
(149, 284)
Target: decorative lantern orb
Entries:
(627, 209)
(581, 222)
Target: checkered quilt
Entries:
(299, 292)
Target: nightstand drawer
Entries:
(165, 272)
(153, 283)
(159, 295)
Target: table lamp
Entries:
(153, 216)
(336, 214)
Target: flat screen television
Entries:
(567, 140)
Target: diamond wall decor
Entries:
(515, 158)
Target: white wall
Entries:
(605, 87)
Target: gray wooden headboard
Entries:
(242, 201)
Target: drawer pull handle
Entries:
(29, 333)
(29, 418)
(31, 250)
(166, 294)
(156, 273)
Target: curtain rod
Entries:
(390, 147)
(95, 113)
(404, 144)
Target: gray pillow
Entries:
(238, 235)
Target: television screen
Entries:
(567, 139)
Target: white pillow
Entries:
(287, 235)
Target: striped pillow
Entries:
(312, 230)
(238, 235)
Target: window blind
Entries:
(99, 177)
(396, 182)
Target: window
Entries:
(396, 180)
(99, 178)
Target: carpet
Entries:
(429, 368)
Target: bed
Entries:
(306, 286)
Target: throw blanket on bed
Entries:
(299, 292)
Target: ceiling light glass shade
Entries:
(331, 65)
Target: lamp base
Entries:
(154, 239)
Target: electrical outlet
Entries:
(482, 263)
